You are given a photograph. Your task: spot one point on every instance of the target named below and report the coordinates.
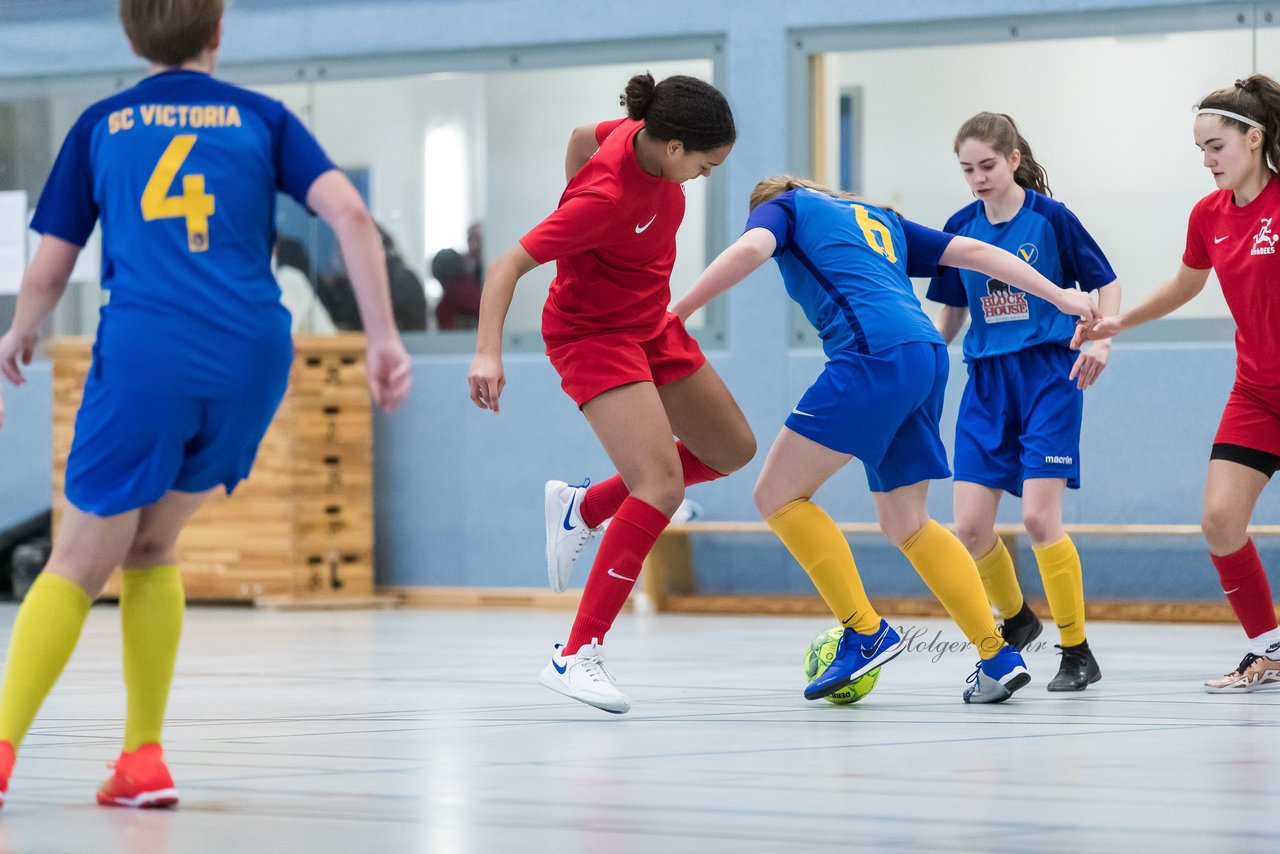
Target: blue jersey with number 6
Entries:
(848, 265)
(183, 170)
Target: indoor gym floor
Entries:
(426, 731)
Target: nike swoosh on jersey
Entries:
(1217, 240)
(640, 229)
(805, 414)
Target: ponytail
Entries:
(638, 96)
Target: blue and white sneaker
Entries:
(583, 677)
(995, 679)
(856, 654)
(567, 534)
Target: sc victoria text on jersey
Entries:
(174, 116)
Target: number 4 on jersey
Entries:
(194, 204)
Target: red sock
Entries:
(1245, 583)
(603, 499)
(629, 538)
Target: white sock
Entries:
(1267, 643)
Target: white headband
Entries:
(1245, 119)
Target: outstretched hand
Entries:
(1107, 327)
(1079, 304)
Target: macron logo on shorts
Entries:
(1054, 459)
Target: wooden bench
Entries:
(671, 585)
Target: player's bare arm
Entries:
(582, 144)
(733, 265)
(997, 263)
(485, 378)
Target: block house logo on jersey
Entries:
(1264, 242)
(1003, 303)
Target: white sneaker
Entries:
(583, 677)
(566, 532)
(688, 511)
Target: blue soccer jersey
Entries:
(193, 348)
(848, 265)
(183, 171)
(1004, 319)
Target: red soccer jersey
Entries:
(614, 240)
(1240, 244)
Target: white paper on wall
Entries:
(13, 239)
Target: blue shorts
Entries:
(1020, 418)
(883, 409)
(139, 436)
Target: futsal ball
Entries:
(821, 651)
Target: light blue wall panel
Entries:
(26, 447)
(458, 490)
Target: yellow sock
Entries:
(1000, 580)
(151, 606)
(815, 541)
(44, 635)
(949, 570)
(1063, 587)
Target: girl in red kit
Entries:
(1234, 231)
(628, 363)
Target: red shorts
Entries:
(592, 365)
(1250, 420)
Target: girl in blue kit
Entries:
(847, 262)
(191, 359)
(1019, 424)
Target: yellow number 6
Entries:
(877, 234)
(194, 204)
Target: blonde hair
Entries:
(170, 32)
(771, 188)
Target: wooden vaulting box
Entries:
(301, 526)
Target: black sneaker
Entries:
(1078, 670)
(1022, 628)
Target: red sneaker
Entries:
(6, 768)
(141, 780)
